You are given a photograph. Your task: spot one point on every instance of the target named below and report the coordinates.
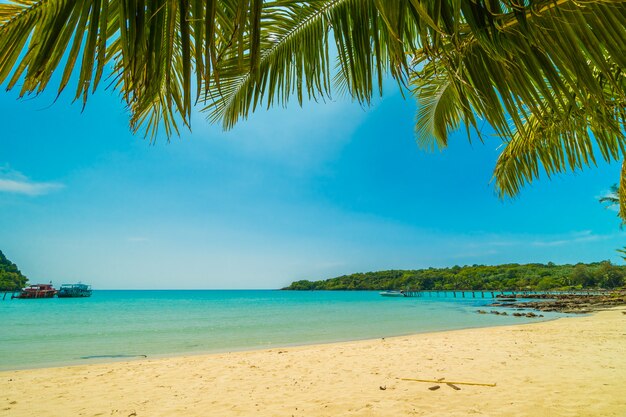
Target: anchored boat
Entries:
(38, 291)
(74, 290)
(392, 294)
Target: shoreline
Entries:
(572, 366)
(249, 349)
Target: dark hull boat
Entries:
(38, 291)
(74, 291)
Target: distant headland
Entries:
(11, 279)
(532, 277)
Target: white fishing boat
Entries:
(392, 293)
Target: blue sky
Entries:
(290, 194)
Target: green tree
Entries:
(608, 276)
(581, 276)
(547, 283)
(11, 279)
(548, 76)
(477, 277)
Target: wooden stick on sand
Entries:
(443, 381)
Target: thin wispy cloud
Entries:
(577, 237)
(505, 241)
(22, 185)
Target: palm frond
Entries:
(550, 83)
(557, 143)
(35, 36)
(539, 64)
(611, 199)
(439, 111)
(293, 56)
(615, 198)
(154, 47)
(243, 79)
(516, 65)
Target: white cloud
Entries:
(27, 187)
(575, 237)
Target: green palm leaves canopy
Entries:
(548, 76)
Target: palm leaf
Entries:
(439, 111)
(551, 84)
(371, 39)
(619, 198)
(612, 199)
(154, 48)
(519, 66)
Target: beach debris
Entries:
(383, 387)
(434, 388)
(482, 384)
(132, 414)
(454, 387)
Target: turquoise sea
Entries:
(121, 324)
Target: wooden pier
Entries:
(4, 296)
(494, 293)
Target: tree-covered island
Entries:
(479, 277)
(11, 279)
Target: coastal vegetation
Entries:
(11, 279)
(479, 277)
(549, 77)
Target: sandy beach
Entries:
(567, 367)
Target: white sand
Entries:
(568, 367)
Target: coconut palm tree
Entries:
(547, 75)
(612, 199)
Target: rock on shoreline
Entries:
(569, 303)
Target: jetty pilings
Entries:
(4, 296)
(494, 293)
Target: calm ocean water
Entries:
(37, 333)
